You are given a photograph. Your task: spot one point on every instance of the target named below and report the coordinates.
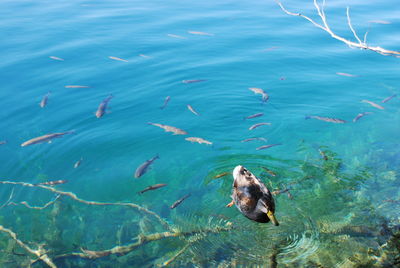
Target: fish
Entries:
(76, 86)
(269, 171)
(193, 81)
(142, 169)
(322, 153)
(51, 183)
(144, 56)
(326, 119)
(389, 98)
(276, 192)
(103, 106)
(116, 58)
(198, 140)
(254, 115)
(346, 74)
(257, 90)
(192, 110)
(56, 58)
(165, 102)
(360, 115)
(221, 175)
(152, 187)
(176, 36)
(3, 142)
(200, 33)
(253, 139)
(267, 146)
(175, 130)
(373, 104)
(44, 100)
(178, 202)
(45, 138)
(258, 125)
(78, 163)
(380, 21)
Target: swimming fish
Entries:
(116, 58)
(178, 202)
(44, 100)
(76, 86)
(373, 104)
(322, 153)
(267, 146)
(175, 130)
(199, 140)
(78, 163)
(289, 195)
(269, 171)
(152, 187)
(176, 36)
(221, 175)
(144, 56)
(56, 58)
(380, 21)
(142, 169)
(360, 115)
(51, 183)
(200, 33)
(165, 102)
(192, 110)
(193, 81)
(346, 74)
(326, 119)
(254, 115)
(103, 106)
(258, 125)
(3, 142)
(389, 98)
(45, 138)
(253, 139)
(257, 90)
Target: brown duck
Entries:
(252, 197)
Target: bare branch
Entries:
(43, 207)
(173, 258)
(321, 13)
(95, 203)
(140, 241)
(301, 15)
(40, 252)
(9, 199)
(351, 27)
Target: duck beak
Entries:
(271, 216)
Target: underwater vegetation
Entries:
(325, 213)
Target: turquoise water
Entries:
(343, 209)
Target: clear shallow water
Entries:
(339, 206)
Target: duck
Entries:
(252, 197)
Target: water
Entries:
(343, 209)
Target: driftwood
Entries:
(362, 44)
(95, 203)
(40, 253)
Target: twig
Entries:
(40, 252)
(9, 199)
(43, 207)
(325, 27)
(141, 240)
(173, 258)
(76, 198)
(351, 26)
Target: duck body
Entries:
(252, 197)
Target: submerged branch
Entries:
(141, 240)
(95, 203)
(325, 27)
(40, 252)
